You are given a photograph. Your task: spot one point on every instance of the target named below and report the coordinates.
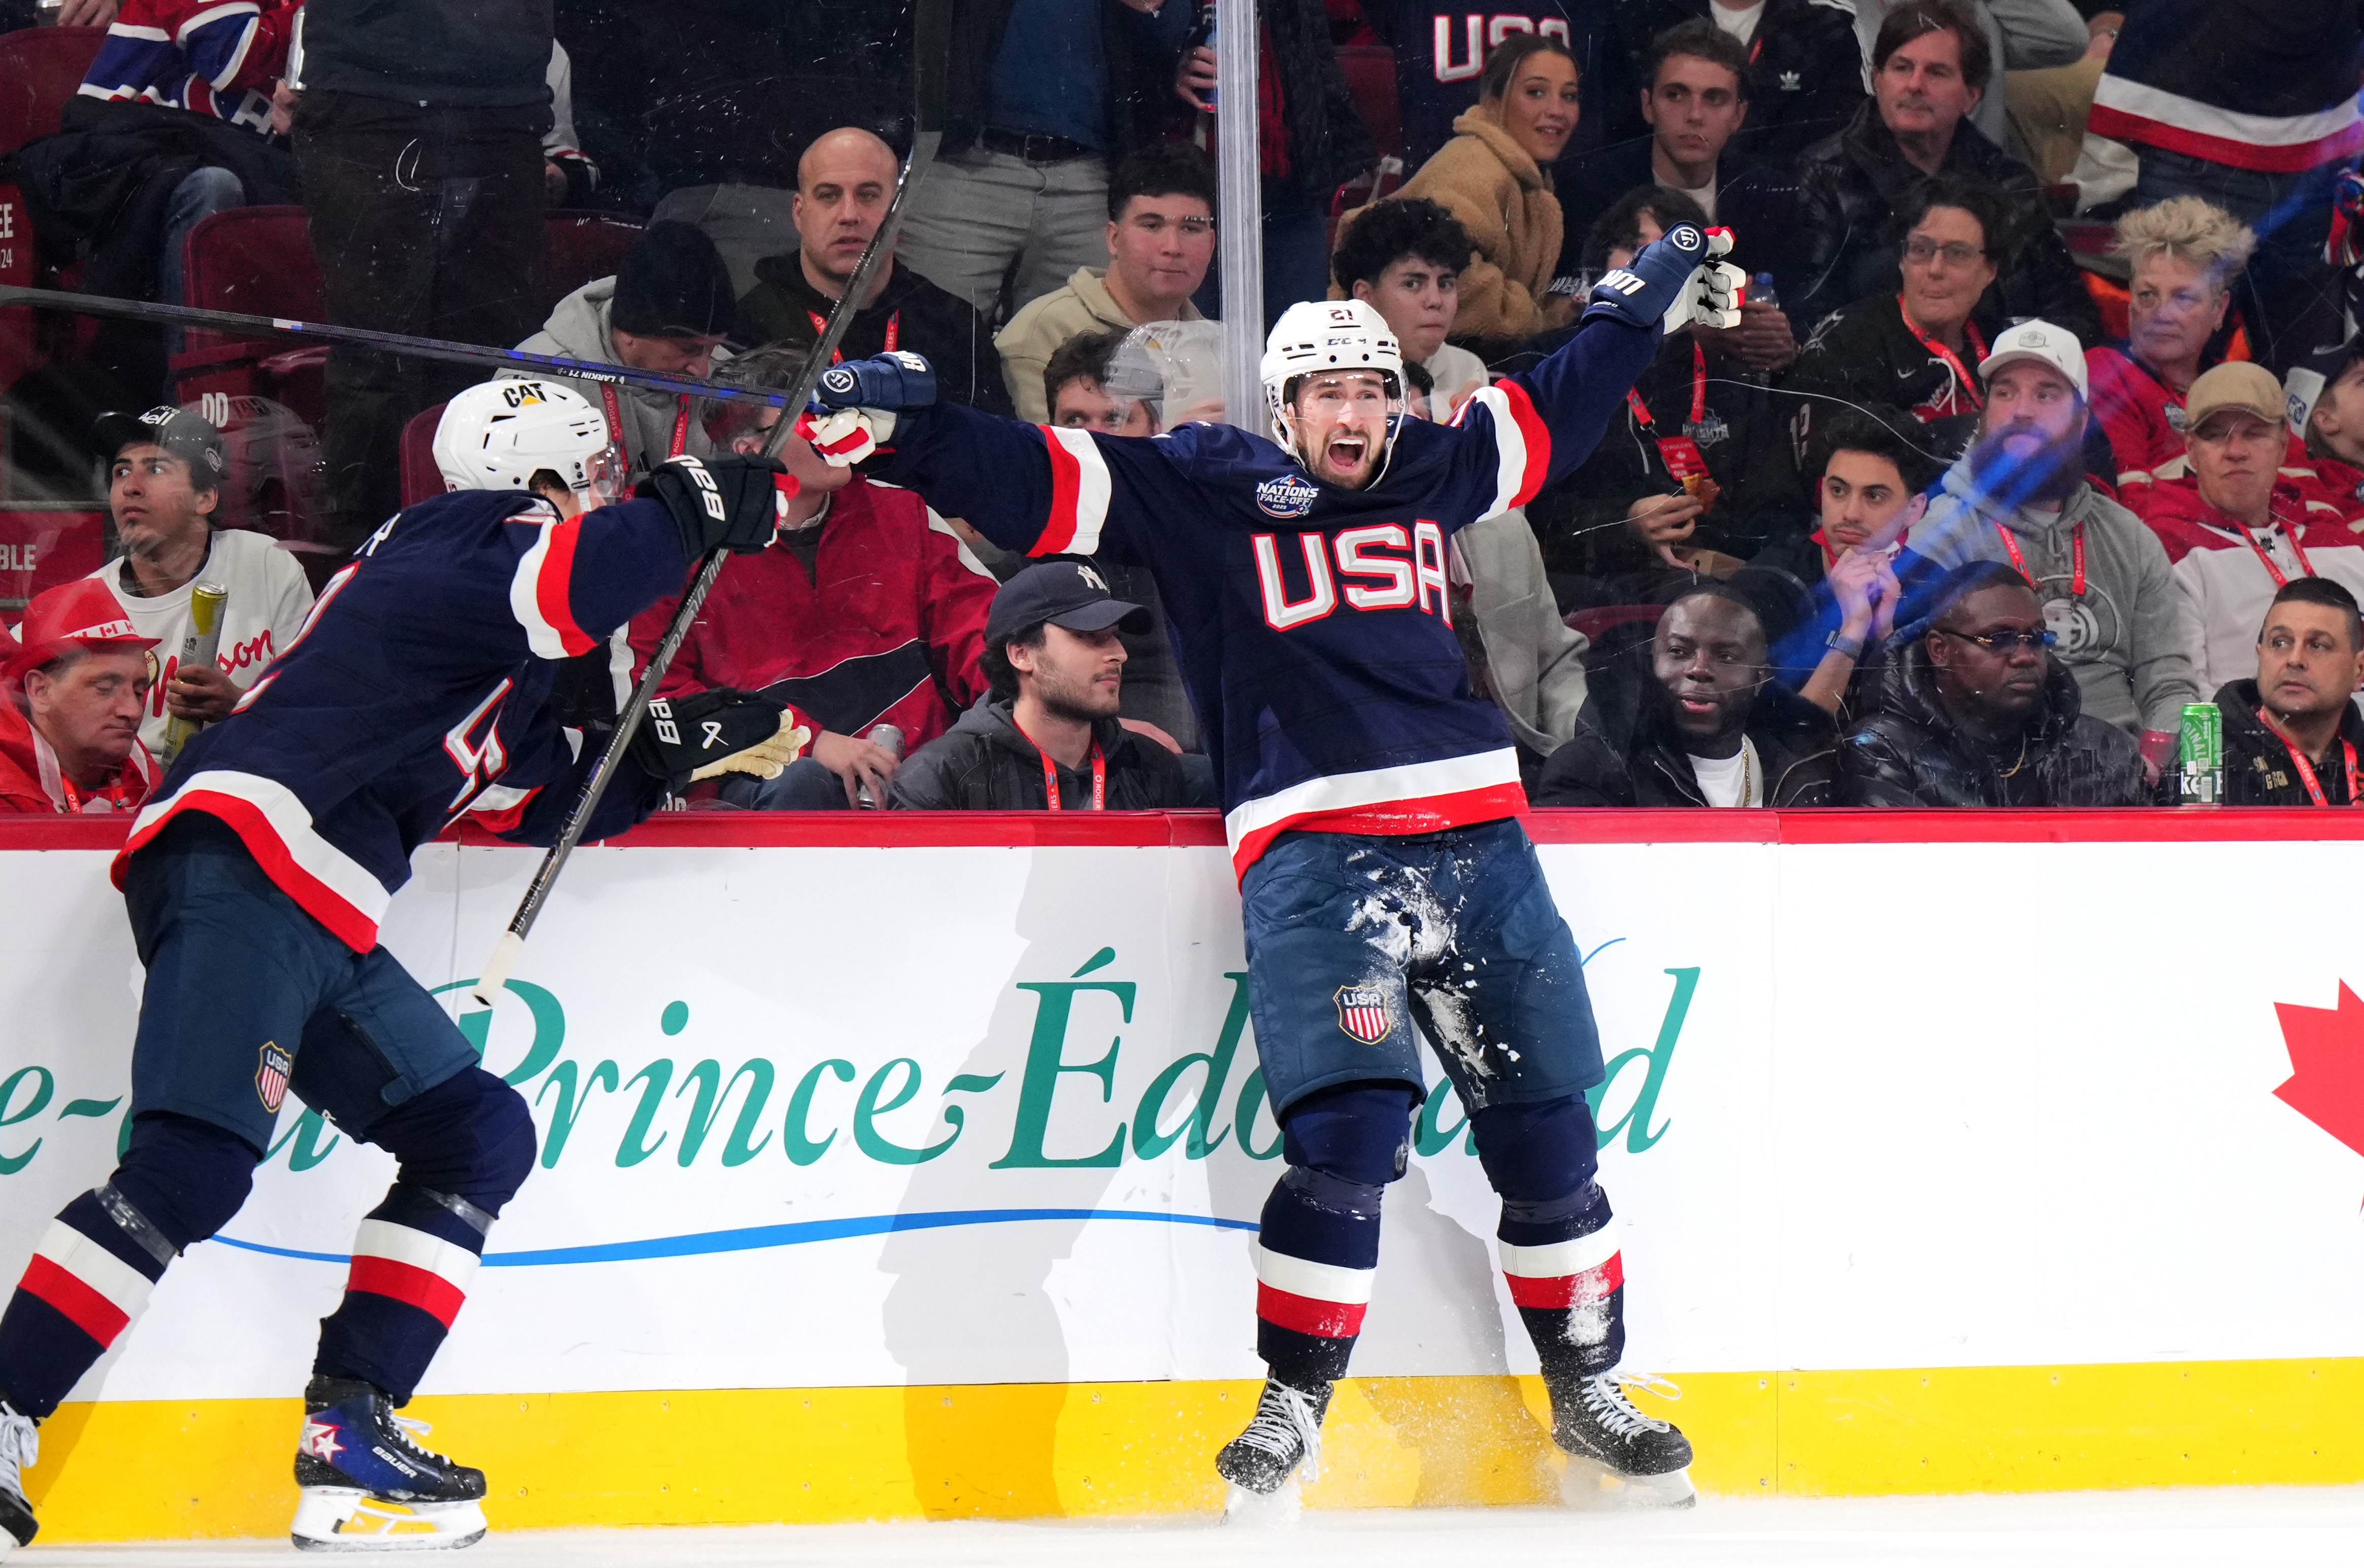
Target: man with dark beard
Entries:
(2020, 496)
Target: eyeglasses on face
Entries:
(2004, 642)
(1921, 251)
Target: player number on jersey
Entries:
(1379, 566)
(480, 761)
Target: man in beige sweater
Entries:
(1161, 237)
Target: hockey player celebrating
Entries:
(1370, 800)
(255, 880)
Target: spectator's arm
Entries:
(574, 175)
(1875, 769)
(2037, 36)
(240, 51)
(2192, 623)
(2157, 662)
(956, 593)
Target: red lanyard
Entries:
(1757, 48)
(1698, 394)
(2076, 545)
(2305, 769)
(820, 325)
(1051, 777)
(1967, 384)
(2305, 566)
(114, 794)
(615, 410)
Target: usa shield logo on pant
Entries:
(1363, 1013)
(271, 1075)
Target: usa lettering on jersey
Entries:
(1463, 42)
(1381, 566)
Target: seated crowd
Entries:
(1920, 531)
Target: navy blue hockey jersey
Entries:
(416, 691)
(1313, 622)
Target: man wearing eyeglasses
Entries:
(1161, 237)
(1978, 712)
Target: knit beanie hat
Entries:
(672, 284)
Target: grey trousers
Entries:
(980, 212)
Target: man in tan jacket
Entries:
(1161, 237)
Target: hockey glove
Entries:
(736, 503)
(707, 732)
(848, 435)
(897, 380)
(1676, 282)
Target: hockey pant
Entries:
(1320, 1243)
(464, 1147)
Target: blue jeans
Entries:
(200, 194)
(803, 786)
(2289, 296)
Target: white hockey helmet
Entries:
(1321, 336)
(497, 435)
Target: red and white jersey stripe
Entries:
(1311, 1298)
(99, 1292)
(1565, 1273)
(2281, 144)
(539, 592)
(1522, 443)
(1079, 494)
(277, 830)
(1421, 797)
(411, 1266)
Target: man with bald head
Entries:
(844, 182)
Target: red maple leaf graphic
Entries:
(2327, 1052)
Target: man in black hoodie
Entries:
(2293, 736)
(1975, 711)
(1049, 738)
(1715, 728)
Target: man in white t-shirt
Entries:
(165, 470)
(1403, 258)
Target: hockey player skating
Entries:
(255, 880)
(1370, 801)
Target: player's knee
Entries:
(1537, 1153)
(471, 1136)
(1356, 1133)
(510, 1148)
(183, 1176)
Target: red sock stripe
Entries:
(89, 1311)
(421, 1288)
(1330, 1319)
(1569, 1290)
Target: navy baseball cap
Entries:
(180, 434)
(2304, 385)
(1064, 593)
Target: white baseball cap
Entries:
(2043, 341)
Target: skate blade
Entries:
(334, 1518)
(1592, 1487)
(1263, 1510)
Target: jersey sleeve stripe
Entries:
(277, 830)
(1522, 443)
(1079, 494)
(1534, 437)
(538, 594)
(1420, 797)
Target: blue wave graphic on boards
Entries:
(755, 1239)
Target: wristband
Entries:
(1840, 642)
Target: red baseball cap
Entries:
(84, 611)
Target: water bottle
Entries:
(1761, 291)
(889, 739)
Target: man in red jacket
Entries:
(866, 611)
(75, 693)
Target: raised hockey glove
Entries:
(853, 411)
(848, 435)
(736, 503)
(1676, 282)
(707, 732)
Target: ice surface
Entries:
(2284, 1526)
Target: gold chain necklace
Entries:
(2013, 769)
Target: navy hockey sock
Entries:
(1320, 1241)
(1558, 1236)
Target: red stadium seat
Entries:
(1371, 79)
(258, 260)
(582, 246)
(1597, 622)
(420, 478)
(39, 69)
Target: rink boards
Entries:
(886, 1174)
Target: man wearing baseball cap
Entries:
(2020, 496)
(1049, 738)
(165, 469)
(2235, 527)
(2325, 406)
(75, 685)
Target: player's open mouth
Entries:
(1347, 452)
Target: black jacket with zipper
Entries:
(2257, 769)
(985, 763)
(1908, 753)
(1794, 742)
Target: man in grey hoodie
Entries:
(2019, 496)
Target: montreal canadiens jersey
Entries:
(210, 59)
(416, 691)
(1313, 622)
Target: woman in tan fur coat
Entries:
(1494, 175)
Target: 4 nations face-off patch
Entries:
(1363, 1013)
(271, 1075)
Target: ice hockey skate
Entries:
(1617, 1457)
(1281, 1447)
(20, 1445)
(367, 1486)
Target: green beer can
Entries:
(2203, 755)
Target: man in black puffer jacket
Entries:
(1049, 739)
(1975, 711)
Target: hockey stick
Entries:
(390, 342)
(928, 38)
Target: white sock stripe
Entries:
(400, 1244)
(1561, 1259)
(1317, 1281)
(95, 1266)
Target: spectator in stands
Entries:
(1160, 237)
(2253, 108)
(2022, 35)
(1045, 95)
(1975, 710)
(418, 144)
(1694, 479)
(2326, 405)
(2292, 735)
(1930, 68)
(1440, 47)
(2186, 255)
(1802, 67)
(1494, 177)
(2236, 530)
(1694, 99)
(1715, 728)
(2019, 496)
(164, 474)
(667, 308)
(1049, 738)
(844, 182)
(865, 610)
(1403, 258)
(74, 691)
(1914, 347)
